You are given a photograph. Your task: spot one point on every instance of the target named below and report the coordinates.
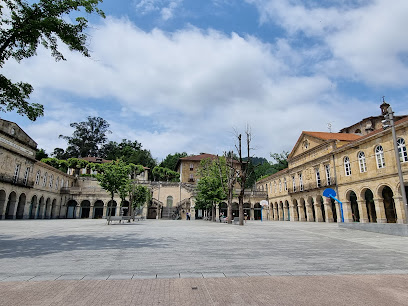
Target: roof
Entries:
(199, 157)
(333, 136)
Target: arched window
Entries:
(300, 181)
(62, 183)
(57, 183)
(285, 184)
(294, 183)
(379, 156)
(45, 179)
(51, 180)
(37, 178)
(318, 181)
(362, 162)
(276, 187)
(402, 150)
(280, 186)
(347, 167)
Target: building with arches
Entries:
(361, 167)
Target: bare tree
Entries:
(244, 170)
(228, 175)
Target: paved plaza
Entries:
(198, 263)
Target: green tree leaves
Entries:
(24, 27)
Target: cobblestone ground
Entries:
(86, 262)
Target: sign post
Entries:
(330, 193)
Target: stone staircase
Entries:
(167, 212)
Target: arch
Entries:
(11, 205)
(125, 208)
(54, 209)
(352, 197)
(223, 209)
(247, 210)
(281, 211)
(296, 210)
(169, 201)
(47, 212)
(334, 210)
(389, 204)
(320, 204)
(71, 208)
(358, 132)
(235, 210)
(310, 202)
(303, 208)
(368, 196)
(40, 209)
(98, 209)
(257, 211)
(287, 210)
(33, 207)
(111, 208)
(21, 206)
(2, 203)
(85, 209)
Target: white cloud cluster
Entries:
(166, 8)
(188, 90)
(365, 38)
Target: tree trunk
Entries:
(229, 208)
(110, 210)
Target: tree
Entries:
(210, 187)
(229, 174)
(40, 154)
(23, 27)
(165, 174)
(171, 160)
(60, 153)
(281, 161)
(140, 195)
(87, 138)
(130, 152)
(244, 171)
(113, 177)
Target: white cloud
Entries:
(183, 91)
(166, 8)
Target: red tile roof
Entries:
(199, 157)
(333, 136)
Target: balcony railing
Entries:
(18, 182)
(310, 186)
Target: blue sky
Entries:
(183, 75)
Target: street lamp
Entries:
(388, 121)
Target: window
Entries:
(362, 162)
(27, 172)
(45, 179)
(294, 183)
(51, 180)
(62, 183)
(328, 178)
(191, 178)
(379, 156)
(285, 184)
(318, 182)
(280, 186)
(191, 167)
(347, 167)
(37, 178)
(300, 181)
(402, 150)
(16, 173)
(57, 183)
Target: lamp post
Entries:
(389, 122)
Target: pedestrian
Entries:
(188, 216)
(245, 217)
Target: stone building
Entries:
(360, 167)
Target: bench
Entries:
(236, 220)
(139, 218)
(119, 218)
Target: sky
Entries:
(188, 75)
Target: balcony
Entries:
(19, 182)
(311, 186)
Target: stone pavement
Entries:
(86, 262)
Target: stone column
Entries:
(328, 210)
(77, 211)
(399, 208)
(105, 211)
(217, 212)
(251, 212)
(380, 210)
(362, 210)
(309, 212)
(347, 212)
(118, 209)
(275, 213)
(192, 209)
(26, 214)
(294, 213)
(14, 209)
(318, 211)
(91, 211)
(302, 217)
